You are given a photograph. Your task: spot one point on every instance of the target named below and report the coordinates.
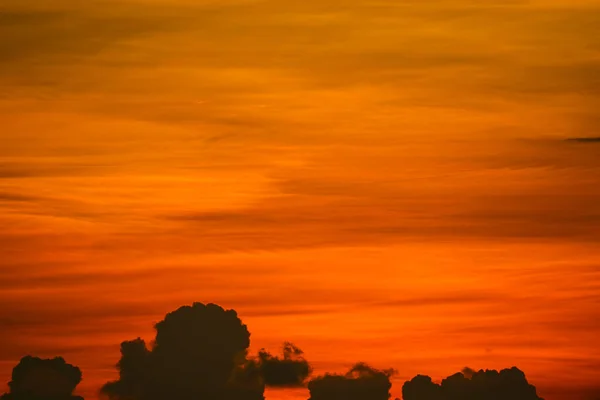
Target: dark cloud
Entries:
(198, 352)
(585, 140)
(46, 170)
(508, 384)
(290, 370)
(43, 379)
(360, 383)
(16, 197)
(133, 371)
(421, 387)
(59, 35)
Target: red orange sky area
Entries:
(380, 181)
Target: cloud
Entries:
(35, 169)
(585, 140)
(291, 370)
(9, 197)
(197, 353)
(362, 382)
(59, 34)
(43, 379)
(508, 384)
(133, 371)
(421, 387)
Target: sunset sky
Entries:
(385, 181)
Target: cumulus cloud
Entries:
(199, 352)
(43, 379)
(133, 371)
(508, 384)
(421, 387)
(362, 382)
(290, 370)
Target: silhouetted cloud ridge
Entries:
(362, 382)
(508, 384)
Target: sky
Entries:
(380, 181)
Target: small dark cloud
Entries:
(362, 382)
(290, 370)
(508, 384)
(43, 379)
(584, 140)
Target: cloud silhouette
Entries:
(43, 379)
(291, 370)
(362, 382)
(421, 387)
(199, 352)
(508, 384)
(134, 368)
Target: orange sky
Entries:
(381, 181)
